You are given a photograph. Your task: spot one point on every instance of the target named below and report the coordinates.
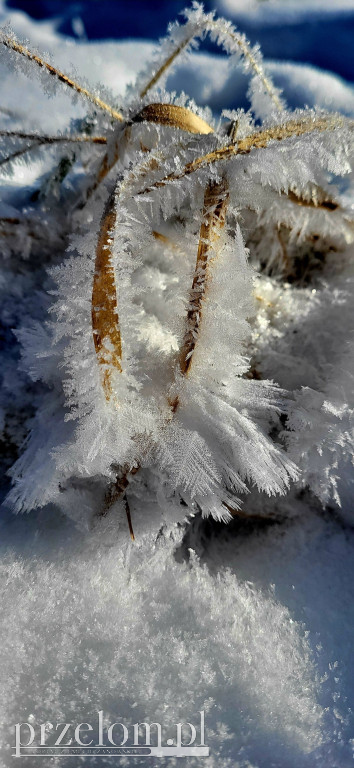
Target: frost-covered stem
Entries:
(19, 153)
(166, 64)
(163, 114)
(320, 199)
(9, 42)
(249, 515)
(118, 490)
(107, 337)
(105, 319)
(214, 215)
(284, 253)
(54, 139)
(107, 163)
(39, 141)
(258, 140)
(208, 26)
(129, 518)
(247, 53)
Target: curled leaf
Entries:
(176, 117)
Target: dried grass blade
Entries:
(165, 114)
(214, 215)
(166, 64)
(107, 163)
(40, 141)
(258, 140)
(247, 53)
(175, 116)
(129, 517)
(19, 153)
(54, 139)
(105, 319)
(116, 491)
(23, 51)
(208, 27)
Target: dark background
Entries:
(326, 41)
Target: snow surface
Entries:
(253, 623)
(282, 12)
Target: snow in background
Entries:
(254, 624)
(319, 32)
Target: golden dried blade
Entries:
(40, 141)
(247, 53)
(214, 215)
(257, 140)
(105, 319)
(166, 64)
(176, 117)
(236, 38)
(165, 114)
(9, 42)
(107, 162)
(54, 139)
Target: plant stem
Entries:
(18, 48)
(258, 140)
(104, 312)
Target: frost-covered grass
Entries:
(252, 622)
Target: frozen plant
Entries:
(147, 354)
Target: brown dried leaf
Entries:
(176, 117)
(214, 215)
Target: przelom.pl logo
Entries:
(94, 739)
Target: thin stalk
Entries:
(107, 163)
(258, 140)
(40, 141)
(244, 515)
(247, 53)
(129, 518)
(116, 491)
(164, 114)
(19, 153)
(104, 312)
(166, 64)
(240, 42)
(9, 42)
(319, 199)
(214, 215)
(54, 139)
